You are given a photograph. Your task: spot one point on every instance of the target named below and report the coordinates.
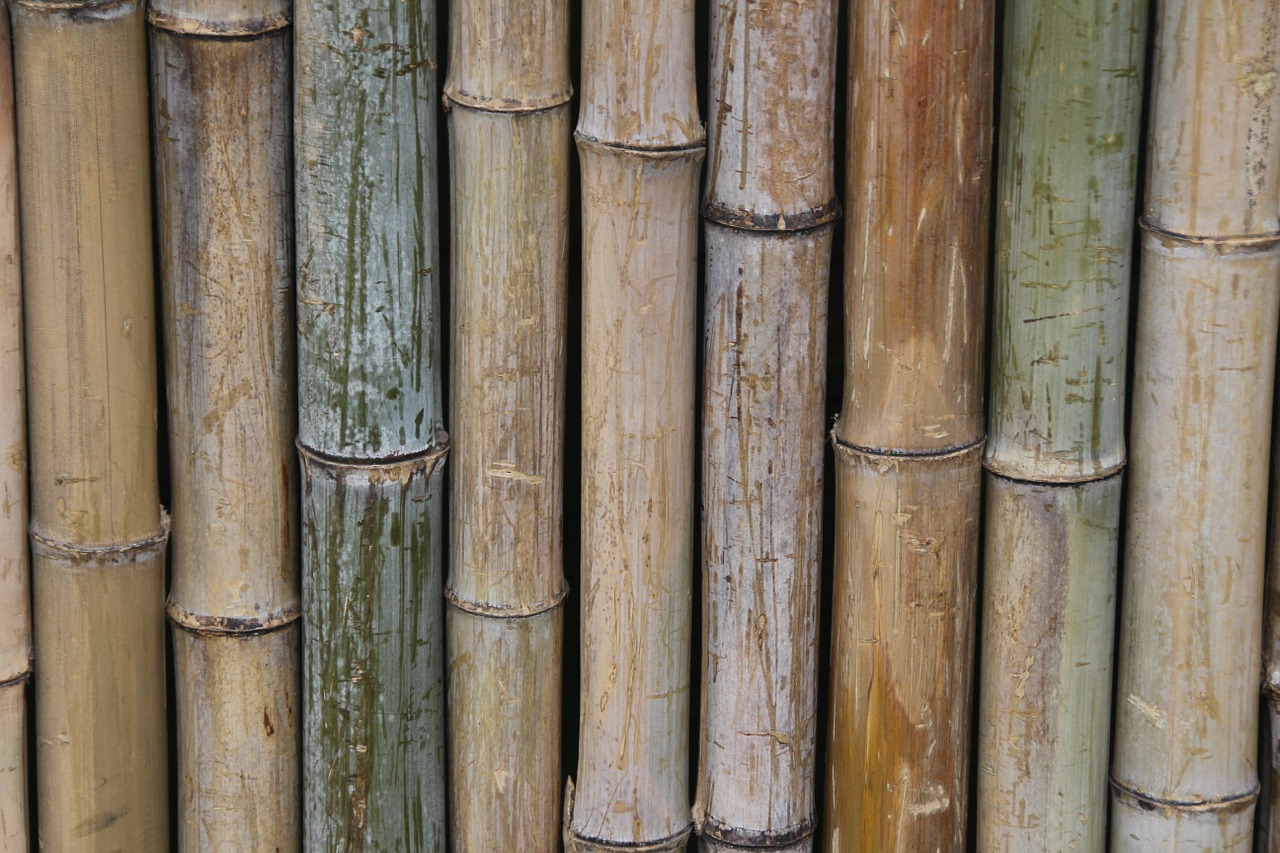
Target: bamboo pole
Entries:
(770, 210)
(1268, 834)
(509, 124)
(1071, 111)
(1184, 774)
(909, 440)
(97, 530)
(370, 422)
(640, 144)
(221, 78)
(15, 580)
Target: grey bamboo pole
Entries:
(370, 421)
(1070, 124)
(1268, 830)
(770, 210)
(1183, 773)
(508, 96)
(909, 440)
(640, 144)
(15, 579)
(222, 139)
(98, 533)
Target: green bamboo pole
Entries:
(1184, 773)
(98, 533)
(770, 214)
(508, 95)
(222, 139)
(370, 422)
(640, 144)
(1071, 111)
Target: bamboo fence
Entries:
(508, 97)
(770, 210)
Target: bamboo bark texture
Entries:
(15, 580)
(1183, 773)
(370, 425)
(508, 96)
(909, 440)
(640, 143)
(97, 530)
(223, 185)
(1070, 125)
(770, 213)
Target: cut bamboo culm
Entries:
(509, 127)
(1071, 109)
(1184, 772)
(909, 441)
(222, 138)
(98, 533)
(15, 588)
(770, 210)
(370, 425)
(640, 144)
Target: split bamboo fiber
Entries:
(1064, 229)
(15, 584)
(770, 210)
(370, 423)
(97, 530)
(640, 144)
(222, 138)
(909, 440)
(1184, 774)
(509, 127)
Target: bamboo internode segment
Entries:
(1186, 713)
(98, 533)
(14, 836)
(370, 425)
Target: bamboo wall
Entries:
(480, 476)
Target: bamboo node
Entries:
(15, 680)
(747, 220)
(240, 626)
(1230, 804)
(1016, 474)
(453, 96)
(740, 838)
(695, 150)
(574, 843)
(186, 24)
(506, 611)
(399, 469)
(97, 556)
(86, 7)
(850, 453)
(1218, 245)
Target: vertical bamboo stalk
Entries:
(640, 142)
(221, 101)
(770, 210)
(370, 422)
(909, 440)
(1071, 111)
(1183, 774)
(1268, 835)
(15, 580)
(97, 530)
(509, 123)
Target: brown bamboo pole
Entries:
(508, 96)
(909, 439)
(15, 579)
(770, 211)
(640, 144)
(1183, 772)
(221, 101)
(97, 530)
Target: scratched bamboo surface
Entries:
(370, 425)
(1183, 773)
(509, 132)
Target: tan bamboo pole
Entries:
(1183, 773)
(98, 533)
(770, 210)
(1268, 834)
(15, 580)
(221, 101)
(640, 144)
(909, 439)
(508, 96)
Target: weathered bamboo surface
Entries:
(370, 425)
(509, 130)
(14, 837)
(1184, 774)
(1268, 840)
(640, 144)
(98, 533)
(221, 102)
(769, 207)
